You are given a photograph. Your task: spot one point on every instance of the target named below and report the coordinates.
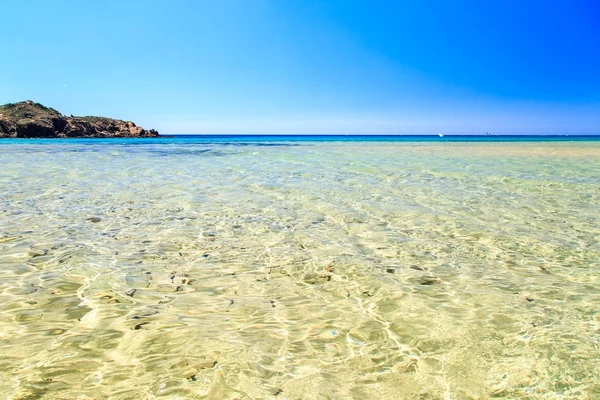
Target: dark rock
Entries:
(7, 128)
(41, 127)
(191, 378)
(544, 270)
(59, 124)
(137, 327)
(33, 120)
(429, 280)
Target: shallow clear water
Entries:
(190, 269)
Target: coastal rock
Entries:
(33, 120)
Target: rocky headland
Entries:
(27, 119)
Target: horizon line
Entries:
(380, 134)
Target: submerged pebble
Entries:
(314, 278)
(429, 280)
(38, 253)
(137, 327)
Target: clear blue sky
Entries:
(300, 66)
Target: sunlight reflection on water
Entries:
(319, 270)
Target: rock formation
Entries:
(33, 120)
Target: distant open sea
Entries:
(251, 138)
(300, 267)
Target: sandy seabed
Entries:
(299, 271)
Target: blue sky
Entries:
(300, 66)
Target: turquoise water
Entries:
(234, 268)
(245, 139)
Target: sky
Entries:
(304, 66)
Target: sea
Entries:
(300, 267)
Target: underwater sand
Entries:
(299, 270)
